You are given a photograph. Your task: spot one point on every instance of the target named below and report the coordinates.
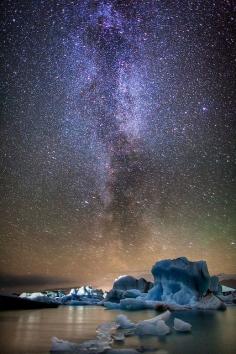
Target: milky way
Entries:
(117, 136)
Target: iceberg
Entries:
(38, 296)
(135, 304)
(106, 330)
(133, 293)
(119, 337)
(215, 286)
(147, 327)
(163, 316)
(127, 286)
(111, 305)
(181, 326)
(123, 322)
(210, 302)
(59, 345)
(114, 295)
(127, 282)
(179, 281)
(95, 346)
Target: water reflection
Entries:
(31, 331)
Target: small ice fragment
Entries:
(182, 326)
(105, 330)
(119, 337)
(158, 328)
(163, 316)
(124, 322)
(59, 345)
(95, 345)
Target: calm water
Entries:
(31, 331)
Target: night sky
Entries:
(117, 138)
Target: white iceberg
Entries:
(182, 326)
(38, 296)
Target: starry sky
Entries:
(117, 138)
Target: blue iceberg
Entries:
(179, 281)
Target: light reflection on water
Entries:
(31, 331)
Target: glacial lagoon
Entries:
(30, 331)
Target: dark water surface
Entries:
(31, 331)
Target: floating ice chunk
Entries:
(59, 345)
(106, 327)
(95, 346)
(134, 304)
(105, 330)
(39, 297)
(210, 302)
(124, 322)
(66, 298)
(91, 346)
(158, 328)
(163, 316)
(182, 326)
(119, 337)
(228, 299)
(162, 328)
(111, 305)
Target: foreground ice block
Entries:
(148, 328)
(179, 281)
(93, 346)
(181, 326)
(60, 345)
(163, 316)
(123, 322)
